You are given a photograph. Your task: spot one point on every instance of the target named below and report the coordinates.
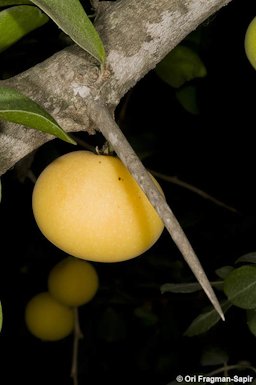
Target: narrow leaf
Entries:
(180, 287)
(17, 108)
(214, 355)
(206, 321)
(72, 19)
(248, 258)
(7, 3)
(223, 271)
(18, 21)
(240, 287)
(187, 287)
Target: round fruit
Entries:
(47, 319)
(73, 282)
(250, 42)
(91, 207)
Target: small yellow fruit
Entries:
(91, 207)
(73, 282)
(250, 42)
(47, 319)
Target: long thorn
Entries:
(108, 127)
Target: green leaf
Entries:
(251, 321)
(17, 108)
(180, 287)
(182, 64)
(72, 19)
(240, 287)
(1, 317)
(187, 287)
(187, 97)
(213, 356)
(223, 271)
(206, 321)
(248, 258)
(7, 3)
(16, 22)
(146, 315)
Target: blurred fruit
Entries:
(250, 42)
(47, 319)
(73, 282)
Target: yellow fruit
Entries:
(250, 42)
(91, 207)
(73, 282)
(47, 319)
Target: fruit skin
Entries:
(250, 42)
(47, 319)
(73, 282)
(91, 207)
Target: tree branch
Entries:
(136, 36)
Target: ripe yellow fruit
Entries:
(73, 282)
(47, 319)
(250, 42)
(91, 207)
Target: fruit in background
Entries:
(182, 64)
(47, 319)
(92, 208)
(250, 42)
(73, 282)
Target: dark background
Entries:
(132, 332)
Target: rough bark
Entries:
(136, 35)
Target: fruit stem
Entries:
(101, 116)
(77, 336)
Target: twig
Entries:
(102, 118)
(77, 336)
(196, 190)
(227, 368)
(82, 143)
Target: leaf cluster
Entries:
(19, 17)
(238, 287)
